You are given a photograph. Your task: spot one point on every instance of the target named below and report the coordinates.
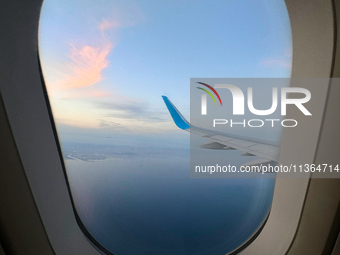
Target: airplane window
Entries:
(106, 64)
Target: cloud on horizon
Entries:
(131, 109)
(107, 124)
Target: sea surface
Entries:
(143, 201)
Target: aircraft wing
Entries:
(266, 153)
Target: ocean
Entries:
(143, 201)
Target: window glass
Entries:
(106, 64)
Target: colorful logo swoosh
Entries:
(213, 90)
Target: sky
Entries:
(106, 63)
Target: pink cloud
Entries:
(105, 25)
(82, 72)
(86, 66)
(87, 62)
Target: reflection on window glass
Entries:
(106, 64)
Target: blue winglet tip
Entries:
(177, 117)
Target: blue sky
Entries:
(106, 63)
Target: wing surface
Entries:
(266, 152)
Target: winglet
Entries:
(178, 118)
